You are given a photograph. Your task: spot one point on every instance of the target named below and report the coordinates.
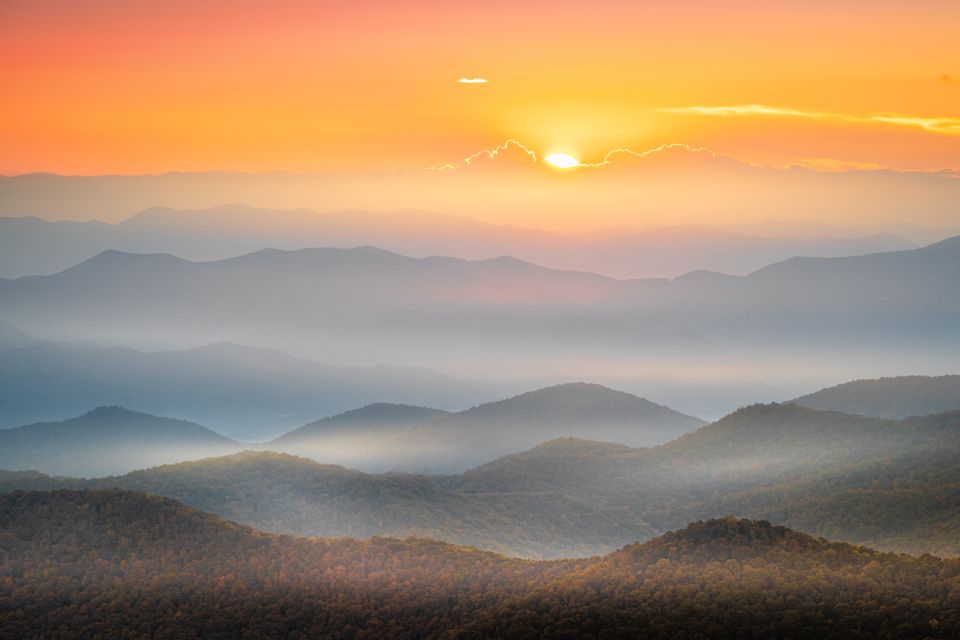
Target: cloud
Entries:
(950, 79)
(821, 165)
(608, 157)
(472, 81)
(489, 154)
(607, 160)
(944, 126)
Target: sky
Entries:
(134, 87)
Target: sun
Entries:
(561, 161)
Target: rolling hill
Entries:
(93, 562)
(895, 398)
(893, 484)
(376, 418)
(285, 494)
(107, 440)
(414, 438)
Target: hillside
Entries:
(285, 494)
(177, 571)
(730, 578)
(892, 484)
(377, 437)
(578, 410)
(753, 443)
(895, 398)
(392, 437)
(372, 418)
(107, 440)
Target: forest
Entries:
(112, 563)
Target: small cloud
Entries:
(950, 79)
(947, 125)
(472, 81)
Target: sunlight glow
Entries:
(562, 161)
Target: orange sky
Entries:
(129, 86)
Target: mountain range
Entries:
(242, 392)
(256, 394)
(890, 484)
(380, 436)
(403, 437)
(673, 182)
(365, 305)
(33, 246)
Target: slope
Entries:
(399, 437)
(896, 397)
(893, 484)
(120, 562)
(107, 440)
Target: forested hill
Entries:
(124, 564)
(285, 494)
(892, 485)
(897, 397)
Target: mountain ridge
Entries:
(40, 247)
(133, 550)
(415, 436)
(891, 484)
(889, 397)
(359, 306)
(106, 438)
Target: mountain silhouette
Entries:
(32, 246)
(402, 437)
(107, 440)
(244, 392)
(368, 305)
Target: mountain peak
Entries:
(579, 409)
(581, 398)
(112, 259)
(729, 533)
(732, 538)
(113, 411)
(773, 434)
(109, 439)
(385, 412)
